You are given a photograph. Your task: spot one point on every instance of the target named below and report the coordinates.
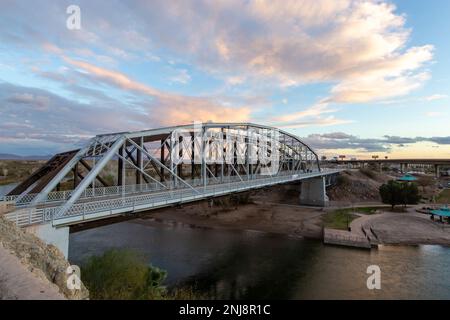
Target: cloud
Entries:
(360, 47)
(319, 122)
(313, 111)
(373, 89)
(312, 116)
(341, 140)
(182, 77)
(170, 108)
(433, 114)
(62, 124)
(436, 97)
(65, 123)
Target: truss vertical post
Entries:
(192, 155)
(222, 162)
(203, 155)
(75, 176)
(173, 165)
(139, 161)
(120, 168)
(247, 154)
(162, 159)
(93, 181)
(180, 154)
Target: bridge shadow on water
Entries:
(268, 267)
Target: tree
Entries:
(410, 193)
(425, 181)
(390, 193)
(395, 193)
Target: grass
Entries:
(444, 196)
(338, 219)
(341, 218)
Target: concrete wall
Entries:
(59, 237)
(313, 192)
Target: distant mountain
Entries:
(8, 156)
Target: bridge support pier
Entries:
(313, 192)
(59, 237)
(437, 171)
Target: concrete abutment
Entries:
(57, 236)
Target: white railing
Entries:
(126, 201)
(98, 192)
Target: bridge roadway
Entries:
(440, 162)
(100, 206)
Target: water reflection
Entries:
(240, 265)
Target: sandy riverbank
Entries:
(408, 228)
(272, 218)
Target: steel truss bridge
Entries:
(136, 171)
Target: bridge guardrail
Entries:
(97, 192)
(27, 216)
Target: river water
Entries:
(253, 265)
(4, 189)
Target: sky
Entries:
(349, 77)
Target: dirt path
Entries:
(408, 228)
(16, 282)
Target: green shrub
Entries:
(122, 274)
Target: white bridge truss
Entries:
(136, 171)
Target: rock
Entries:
(46, 261)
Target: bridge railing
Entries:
(85, 209)
(171, 196)
(99, 192)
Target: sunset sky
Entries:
(349, 77)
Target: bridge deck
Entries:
(107, 205)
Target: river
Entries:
(4, 189)
(253, 265)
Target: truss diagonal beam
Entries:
(91, 175)
(163, 166)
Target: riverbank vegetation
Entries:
(341, 218)
(399, 193)
(125, 275)
(338, 219)
(444, 197)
